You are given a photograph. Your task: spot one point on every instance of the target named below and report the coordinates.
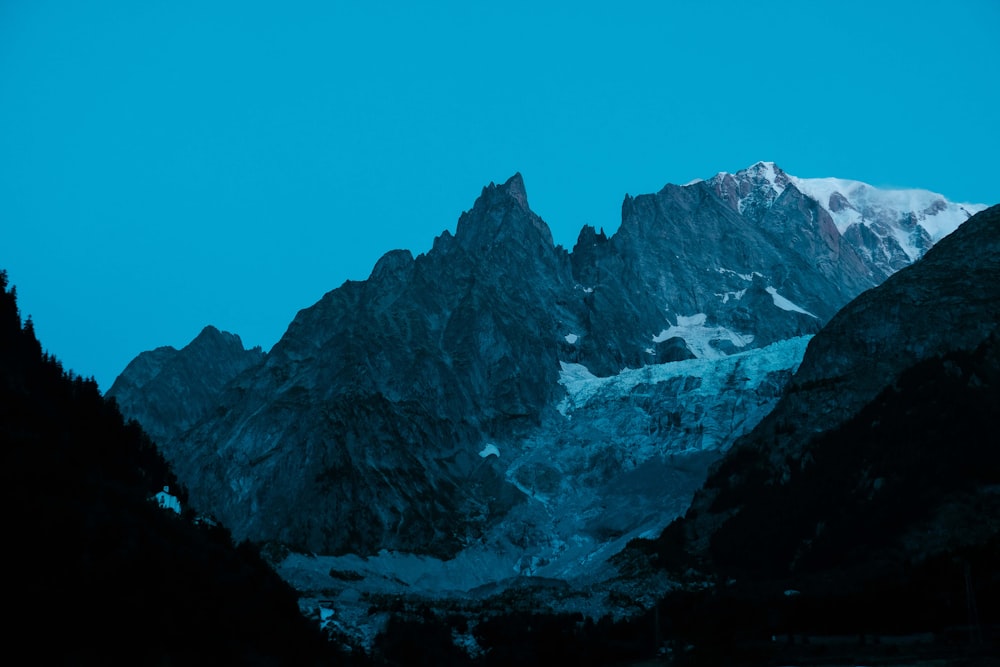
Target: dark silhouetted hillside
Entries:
(872, 491)
(99, 573)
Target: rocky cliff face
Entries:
(169, 390)
(948, 301)
(361, 429)
(432, 407)
(892, 395)
(686, 265)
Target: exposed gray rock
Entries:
(363, 428)
(687, 251)
(169, 390)
(949, 301)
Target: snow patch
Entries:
(735, 296)
(905, 241)
(785, 304)
(490, 450)
(579, 383)
(767, 171)
(700, 338)
(745, 276)
(571, 338)
(695, 320)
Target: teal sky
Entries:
(167, 165)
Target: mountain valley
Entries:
(501, 413)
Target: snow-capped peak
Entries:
(892, 227)
(770, 173)
(853, 202)
(751, 190)
(759, 173)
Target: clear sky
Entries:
(165, 165)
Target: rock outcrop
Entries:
(948, 301)
(884, 431)
(169, 390)
(362, 428)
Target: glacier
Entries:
(621, 458)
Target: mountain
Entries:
(866, 503)
(99, 573)
(872, 485)
(453, 398)
(179, 387)
(888, 228)
(947, 302)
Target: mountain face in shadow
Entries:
(181, 386)
(873, 488)
(100, 573)
(362, 428)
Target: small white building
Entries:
(167, 501)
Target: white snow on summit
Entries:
(861, 203)
(907, 220)
(770, 174)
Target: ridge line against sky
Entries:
(165, 166)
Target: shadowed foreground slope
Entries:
(872, 492)
(99, 573)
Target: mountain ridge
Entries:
(379, 397)
(929, 316)
(210, 361)
(147, 585)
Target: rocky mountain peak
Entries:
(762, 175)
(395, 263)
(168, 390)
(515, 189)
(363, 429)
(512, 191)
(751, 191)
(589, 235)
(212, 338)
(589, 238)
(501, 212)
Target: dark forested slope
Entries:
(100, 574)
